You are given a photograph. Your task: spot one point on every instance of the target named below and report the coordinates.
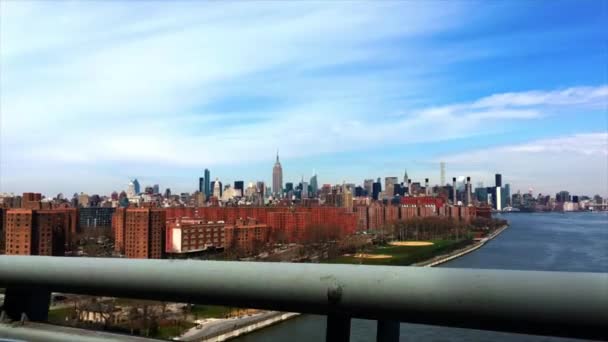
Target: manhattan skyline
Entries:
(352, 90)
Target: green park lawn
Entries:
(210, 311)
(57, 316)
(403, 255)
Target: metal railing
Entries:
(542, 303)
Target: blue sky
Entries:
(94, 93)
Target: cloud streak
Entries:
(578, 161)
(187, 85)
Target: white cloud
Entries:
(565, 97)
(118, 84)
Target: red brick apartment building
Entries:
(288, 226)
(192, 235)
(244, 235)
(36, 232)
(118, 229)
(139, 232)
(31, 200)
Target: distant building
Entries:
(136, 186)
(143, 233)
(217, 188)
(156, 189)
(304, 193)
(368, 185)
(83, 200)
(481, 195)
(201, 184)
(347, 198)
(260, 189)
(399, 190)
(277, 178)
(208, 188)
(415, 188)
(498, 196)
(190, 235)
(498, 180)
(131, 192)
(562, 196)
(246, 235)
(31, 200)
(228, 194)
(376, 189)
(389, 186)
(239, 188)
(95, 217)
(506, 195)
(199, 199)
(36, 232)
(185, 197)
(314, 186)
(570, 206)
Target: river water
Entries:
(573, 242)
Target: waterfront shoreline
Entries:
(236, 328)
(441, 259)
(435, 261)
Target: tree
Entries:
(132, 318)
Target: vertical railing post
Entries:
(388, 331)
(338, 328)
(33, 301)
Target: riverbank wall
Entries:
(238, 329)
(441, 259)
(281, 316)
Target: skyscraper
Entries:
(368, 185)
(239, 187)
(389, 186)
(405, 177)
(304, 193)
(207, 181)
(442, 174)
(136, 187)
(498, 193)
(201, 185)
(156, 189)
(260, 189)
(217, 188)
(314, 185)
(376, 189)
(347, 197)
(562, 196)
(467, 189)
(454, 191)
(277, 177)
(130, 190)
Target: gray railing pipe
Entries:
(545, 303)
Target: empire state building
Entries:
(277, 177)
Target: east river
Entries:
(572, 242)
